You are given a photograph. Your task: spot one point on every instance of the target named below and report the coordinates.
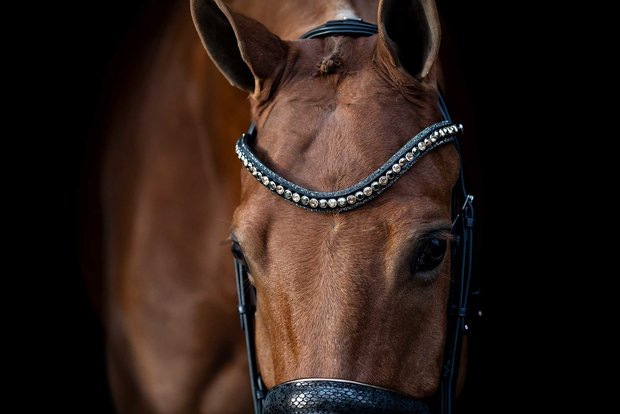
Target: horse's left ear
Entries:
(409, 33)
(244, 50)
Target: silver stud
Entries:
(245, 162)
(259, 176)
(305, 200)
(409, 156)
(375, 186)
(332, 203)
(265, 180)
(342, 202)
(433, 139)
(351, 199)
(367, 191)
(272, 185)
(359, 195)
(421, 146)
(396, 168)
(427, 142)
(296, 197)
(402, 162)
(389, 175)
(314, 203)
(383, 180)
(288, 194)
(414, 150)
(442, 132)
(460, 127)
(279, 189)
(323, 203)
(253, 169)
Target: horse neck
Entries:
(289, 19)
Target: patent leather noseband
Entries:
(327, 395)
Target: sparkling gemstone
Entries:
(296, 197)
(383, 180)
(314, 203)
(272, 185)
(332, 203)
(288, 194)
(265, 180)
(409, 156)
(323, 203)
(433, 139)
(402, 162)
(367, 191)
(359, 195)
(342, 201)
(396, 168)
(375, 186)
(279, 189)
(389, 175)
(245, 162)
(421, 146)
(305, 200)
(351, 199)
(442, 132)
(427, 142)
(253, 170)
(414, 150)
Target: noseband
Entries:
(322, 396)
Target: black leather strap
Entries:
(346, 27)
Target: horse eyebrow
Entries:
(441, 231)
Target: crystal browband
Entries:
(360, 193)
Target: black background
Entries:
(68, 62)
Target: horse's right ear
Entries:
(244, 50)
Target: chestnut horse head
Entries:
(359, 295)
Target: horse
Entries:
(356, 298)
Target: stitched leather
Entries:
(316, 396)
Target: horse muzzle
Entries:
(323, 396)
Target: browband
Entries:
(358, 194)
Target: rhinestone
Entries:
(351, 199)
(433, 139)
(359, 195)
(265, 180)
(342, 201)
(253, 169)
(367, 191)
(442, 132)
(272, 185)
(279, 189)
(245, 162)
(389, 175)
(288, 194)
(305, 200)
(296, 197)
(396, 168)
(402, 162)
(383, 180)
(421, 146)
(259, 176)
(409, 156)
(332, 203)
(375, 186)
(323, 203)
(427, 142)
(414, 150)
(314, 203)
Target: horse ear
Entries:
(409, 31)
(244, 50)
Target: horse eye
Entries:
(430, 255)
(237, 252)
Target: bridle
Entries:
(341, 396)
